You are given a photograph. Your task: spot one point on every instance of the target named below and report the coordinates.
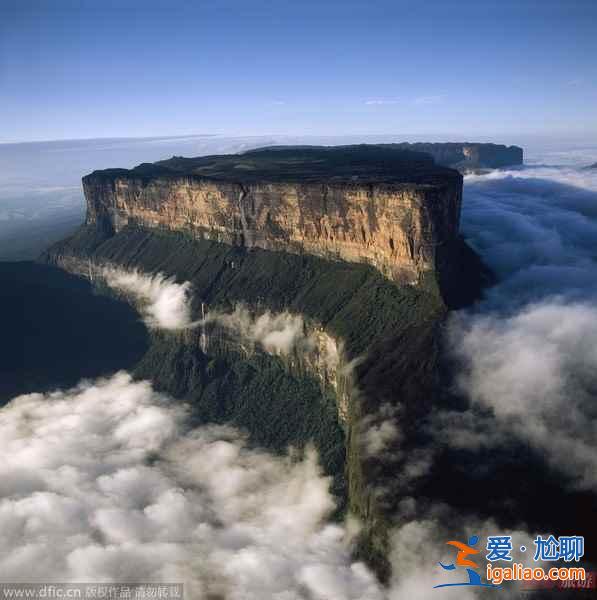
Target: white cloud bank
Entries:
(537, 371)
(282, 334)
(417, 546)
(529, 352)
(105, 482)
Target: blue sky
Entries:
(81, 69)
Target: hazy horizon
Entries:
(483, 137)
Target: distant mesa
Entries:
(593, 166)
(468, 155)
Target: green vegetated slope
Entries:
(257, 394)
(353, 302)
(391, 329)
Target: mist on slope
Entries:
(164, 303)
(280, 333)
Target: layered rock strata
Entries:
(394, 213)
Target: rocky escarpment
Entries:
(389, 208)
(335, 236)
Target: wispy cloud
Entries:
(429, 99)
(164, 303)
(381, 101)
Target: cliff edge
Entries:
(392, 208)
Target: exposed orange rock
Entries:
(395, 227)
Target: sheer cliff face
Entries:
(395, 227)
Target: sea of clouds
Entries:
(107, 482)
(529, 351)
